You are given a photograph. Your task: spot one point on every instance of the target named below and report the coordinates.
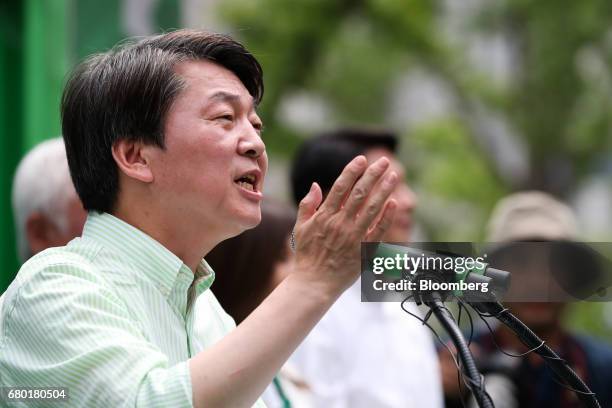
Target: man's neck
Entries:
(183, 239)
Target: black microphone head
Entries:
(500, 280)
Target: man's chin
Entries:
(239, 229)
(251, 220)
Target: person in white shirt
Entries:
(365, 354)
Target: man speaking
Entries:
(165, 150)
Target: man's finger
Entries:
(309, 204)
(383, 224)
(364, 186)
(344, 183)
(376, 201)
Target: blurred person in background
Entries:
(248, 268)
(533, 217)
(48, 212)
(365, 354)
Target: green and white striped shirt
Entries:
(109, 317)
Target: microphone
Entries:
(423, 272)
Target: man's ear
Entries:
(133, 159)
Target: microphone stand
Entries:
(499, 281)
(433, 300)
(533, 342)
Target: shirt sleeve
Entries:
(64, 327)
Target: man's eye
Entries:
(258, 127)
(226, 117)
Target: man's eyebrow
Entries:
(224, 96)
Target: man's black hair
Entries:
(125, 94)
(323, 157)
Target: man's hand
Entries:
(328, 235)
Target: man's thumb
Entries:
(309, 203)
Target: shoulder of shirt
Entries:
(78, 254)
(72, 260)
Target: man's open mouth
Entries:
(248, 182)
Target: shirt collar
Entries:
(150, 257)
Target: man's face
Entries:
(212, 169)
(406, 201)
(533, 282)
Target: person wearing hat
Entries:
(532, 219)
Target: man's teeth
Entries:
(246, 185)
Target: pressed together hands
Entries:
(236, 370)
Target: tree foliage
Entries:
(555, 102)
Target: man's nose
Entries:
(250, 143)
